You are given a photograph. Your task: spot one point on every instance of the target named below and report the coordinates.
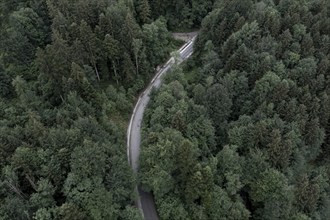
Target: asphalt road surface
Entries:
(145, 200)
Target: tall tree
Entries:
(137, 46)
(143, 10)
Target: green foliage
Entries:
(143, 11)
(252, 112)
(69, 75)
(244, 135)
(155, 37)
(180, 14)
(5, 84)
(131, 213)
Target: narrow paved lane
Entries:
(145, 201)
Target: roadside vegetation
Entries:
(242, 132)
(70, 72)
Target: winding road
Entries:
(145, 201)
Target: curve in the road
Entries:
(145, 201)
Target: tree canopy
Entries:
(242, 131)
(70, 72)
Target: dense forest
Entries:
(70, 72)
(180, 14)
(242, 130)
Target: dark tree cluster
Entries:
(181, 14)
(244, 132)
(69, 74)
